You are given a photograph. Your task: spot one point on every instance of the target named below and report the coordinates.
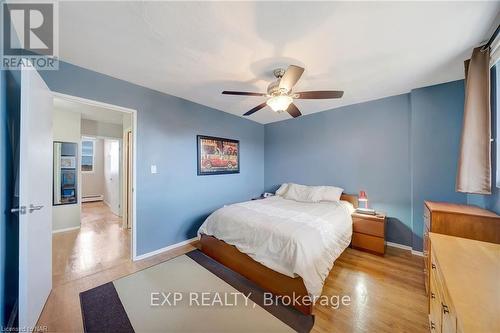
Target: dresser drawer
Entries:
(435, 316)
(368, 242)
(368, 226)
(441, 300)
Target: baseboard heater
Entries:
(91, 198)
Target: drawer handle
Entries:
(433, 326)
(445, 308)
(433, 266)
(433, 295)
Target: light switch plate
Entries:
(153, 169)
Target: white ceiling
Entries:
(90, 112)
(195, 50)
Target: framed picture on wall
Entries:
(217, 155)
(68, 162)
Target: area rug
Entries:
(190, 293)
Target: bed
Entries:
(284, 246)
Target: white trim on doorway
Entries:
(133, 112)
(65, 229)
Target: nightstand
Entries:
(368, 232)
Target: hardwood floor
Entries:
(100, 243)
(387, 293)
(62, 311)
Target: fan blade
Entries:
(255, 109)
(321, 94)
(293, 111)
(242, 93)
(292, 75)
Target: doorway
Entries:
(93, 232)
(42, 199)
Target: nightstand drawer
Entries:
(368, 226)
(368, 242)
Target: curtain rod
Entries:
(492, 38)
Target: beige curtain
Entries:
(474, 164)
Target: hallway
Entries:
(99, 244)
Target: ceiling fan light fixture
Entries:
(279, 103)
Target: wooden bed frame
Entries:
(264, 277)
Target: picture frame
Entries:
(217, 156)
(68, 162)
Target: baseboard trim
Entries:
(417, 253)
(93, 198)
(399, 246)
(405, 247)
(164, 249)
(64, 229)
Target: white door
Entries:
(112, 175)
(35, 194)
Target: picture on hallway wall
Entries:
(217, 155)
(68, 162)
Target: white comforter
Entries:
(290, 237)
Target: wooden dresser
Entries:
(464, 285)
(457, 220)
(369, 232)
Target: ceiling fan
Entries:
(280, 94)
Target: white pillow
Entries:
(282, 189)
(330, 193)
(303, 193)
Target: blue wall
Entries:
(437, 113)
(363, 146)
(402, 150)
(173, 203)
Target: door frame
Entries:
(133, 113)
(128, 151)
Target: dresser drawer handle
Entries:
(445, 308)
(433, 295)
(433, 266)
(433, 326)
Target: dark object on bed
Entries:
(264, 277)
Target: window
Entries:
(496, 120)
(87, 161)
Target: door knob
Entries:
(32, 208)
(21, 210)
